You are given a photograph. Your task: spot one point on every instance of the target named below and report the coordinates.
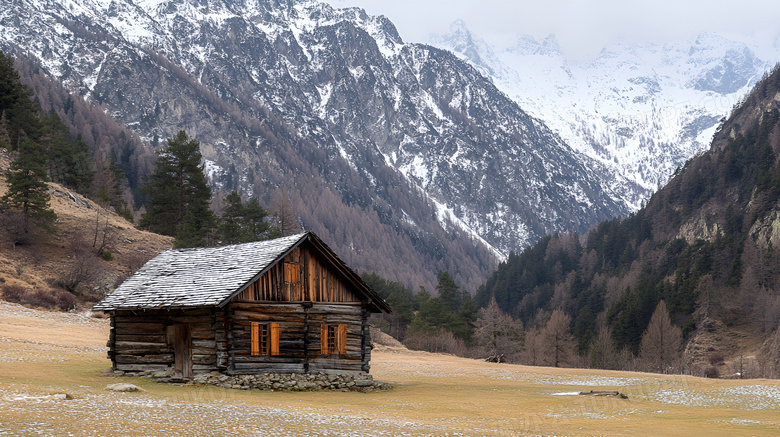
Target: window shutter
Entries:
(342, 339)
(274, 339)
(255, 346)
(323, 339)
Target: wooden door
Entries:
(182, 350)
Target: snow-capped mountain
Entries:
(323, 100)
(640, 109)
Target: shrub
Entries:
(40, 298)
(13, 293)
(106, 255)
(65, 301)
(49, 299)
(443, 342)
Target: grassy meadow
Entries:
(45, 353)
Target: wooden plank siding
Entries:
(299, 337)
(302, 276)
(141, 339)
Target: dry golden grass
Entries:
(42, 263)
(43, 353)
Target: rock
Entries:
(160, 374)
(122, 387)
(364, 383)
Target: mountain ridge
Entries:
(704, 244)
(641, 109)
(302, 96)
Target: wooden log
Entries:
(133, 327)
(203, 351)
(211, 344)
(202, 368)
(205, 360)
(246, 369)
(144, 359)
(600, 393)
(142, 367)
(143, 338)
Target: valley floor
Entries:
(44, 353)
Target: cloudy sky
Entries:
(583, 27)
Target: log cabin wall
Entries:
(335, 315)
(302, 276)
(299, 337)
(140, 340)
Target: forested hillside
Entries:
(705, 245)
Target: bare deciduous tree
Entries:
(498, 333)
(602, 351)
(559, 343)
(769, 356)
(83, 268)
(13, 224)
(286, 212)
(660, 348)
(533, 347)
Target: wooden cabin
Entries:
(288, 305)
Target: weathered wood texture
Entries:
(299, 337)
(144, 340)
(303, 275)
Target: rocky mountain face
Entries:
(640, 109)
(401, 156)
(704, 244)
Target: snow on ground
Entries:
(747, 397)
(45, 355)
(120, 414)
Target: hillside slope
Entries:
(705, 244)
(52, 258)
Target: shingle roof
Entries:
(196, 277)
(210, 276)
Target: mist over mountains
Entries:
(401, 155)
(642, 109)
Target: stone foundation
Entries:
(275, 381)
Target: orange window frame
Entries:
(333, 339)
(264, 339)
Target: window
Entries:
(333, 339)
(292, 273)
(265, 339)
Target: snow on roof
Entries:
(210, 276)
(196, 277)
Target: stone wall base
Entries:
(293, 381)
(272, 381)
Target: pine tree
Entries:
(5, 139)
(244, 223)
(27, 190)
(179, 195)
(15, 101)
(448, 291)
(230, 230)
(256, 222)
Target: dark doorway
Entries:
(182, 349)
